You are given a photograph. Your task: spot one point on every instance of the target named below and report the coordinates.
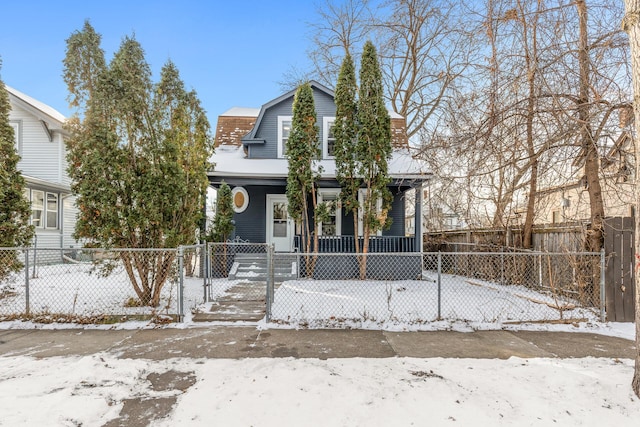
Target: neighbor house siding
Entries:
(69, 216)
(40, 157)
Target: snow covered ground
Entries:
(89, 391)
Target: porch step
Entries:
(253, 267)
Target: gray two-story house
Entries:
(250, 157)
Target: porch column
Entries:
(418, 218)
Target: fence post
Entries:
(603, 314)
(181, 284)
(502, 265)
(270, 285)
(439, 285)
(207, 270)
(540, 270)
(26, 281)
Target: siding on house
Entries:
(397, 214)
(43, 163)
(251, 224)
(40, 158)
(69, 215)
(268, 127)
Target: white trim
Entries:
(338, 208)
(245, 202)
(326, 121)
(279, 245)
(281, 120)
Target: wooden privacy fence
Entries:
(619, 272)
(618, 246)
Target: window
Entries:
(556, 217)
(52, 211)
(37, 208)
(16, 135)
(44, 215)
(284, 130)
(333, 225)
(362, 195)
(328, 138)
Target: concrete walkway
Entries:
(243, 342)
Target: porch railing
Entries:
(377, 244)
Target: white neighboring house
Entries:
(39, 135)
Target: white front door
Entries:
(280, 228)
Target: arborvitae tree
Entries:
(302, 152)
(138, 155)
(15, 230)
(373, 148)
(345, 131)
(223, 221)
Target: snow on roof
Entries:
(394, 115)
(49, 111)
(241, 112)
(230, 161)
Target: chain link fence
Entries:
(99, 285)
(303, 290)
(413, 288)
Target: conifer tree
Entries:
(345, 131)
(138, 155)
(302, 152)
(373, 148)
(223, 221)
(15, 230)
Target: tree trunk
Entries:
(631, 24)
(531, 56)
(589, 145)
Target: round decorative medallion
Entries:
(240, 199)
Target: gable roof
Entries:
(42, 111)
(251, 136)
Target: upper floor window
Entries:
(284, 130)
(328, 138)
(16, 135)
(44, 209)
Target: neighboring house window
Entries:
(332, 226)
(16, 135)
(52, 210)
(328, 139)
(37, 208)
(284, 130)
(556, 217)
(44, 209)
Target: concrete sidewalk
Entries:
(243, 342)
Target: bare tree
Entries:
(340, 27)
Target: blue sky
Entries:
(233, 53)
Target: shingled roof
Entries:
(234, 124)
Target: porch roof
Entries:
(230, 162)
